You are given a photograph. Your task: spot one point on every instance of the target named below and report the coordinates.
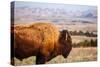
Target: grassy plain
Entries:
(76, 55)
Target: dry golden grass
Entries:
(76, 55)
(79, 26)
(77, 39)
(83, 54)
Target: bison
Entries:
(42, 40)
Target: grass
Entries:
(76, 55)
(83, 54)
(77, 39)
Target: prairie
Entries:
(76, 55)
(91, 27)
(77, 39)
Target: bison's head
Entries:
(65, 42)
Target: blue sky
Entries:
(63, 6)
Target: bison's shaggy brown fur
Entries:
(42, 40)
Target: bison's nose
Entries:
(64, 56)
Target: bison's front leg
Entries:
(40, 59)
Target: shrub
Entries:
(86, 43)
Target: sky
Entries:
(73, 11)
(52, 5)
